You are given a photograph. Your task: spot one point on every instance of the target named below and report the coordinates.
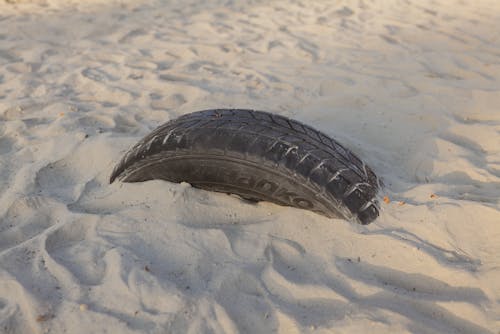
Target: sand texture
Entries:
(412, 87)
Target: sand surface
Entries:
(412, 87)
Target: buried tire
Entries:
(259, 156)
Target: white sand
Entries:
(412, 87)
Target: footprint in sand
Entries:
(6, 145)
(159, 102)
(300, 289)
(254, 313)
(7, 57)
(72, 247)
(415, 296)
(67, 178)
(96, 122)
(26, 218)
(98, 75)
(60, 180)
(127, 38)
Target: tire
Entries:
(258, 156)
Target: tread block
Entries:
(276, 152)
(338, 186)
(355, 200)
(368, 215)
(306, 164)
(320, 175)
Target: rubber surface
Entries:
(259, 156)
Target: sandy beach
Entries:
(411, 87)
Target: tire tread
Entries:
(317, 153)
